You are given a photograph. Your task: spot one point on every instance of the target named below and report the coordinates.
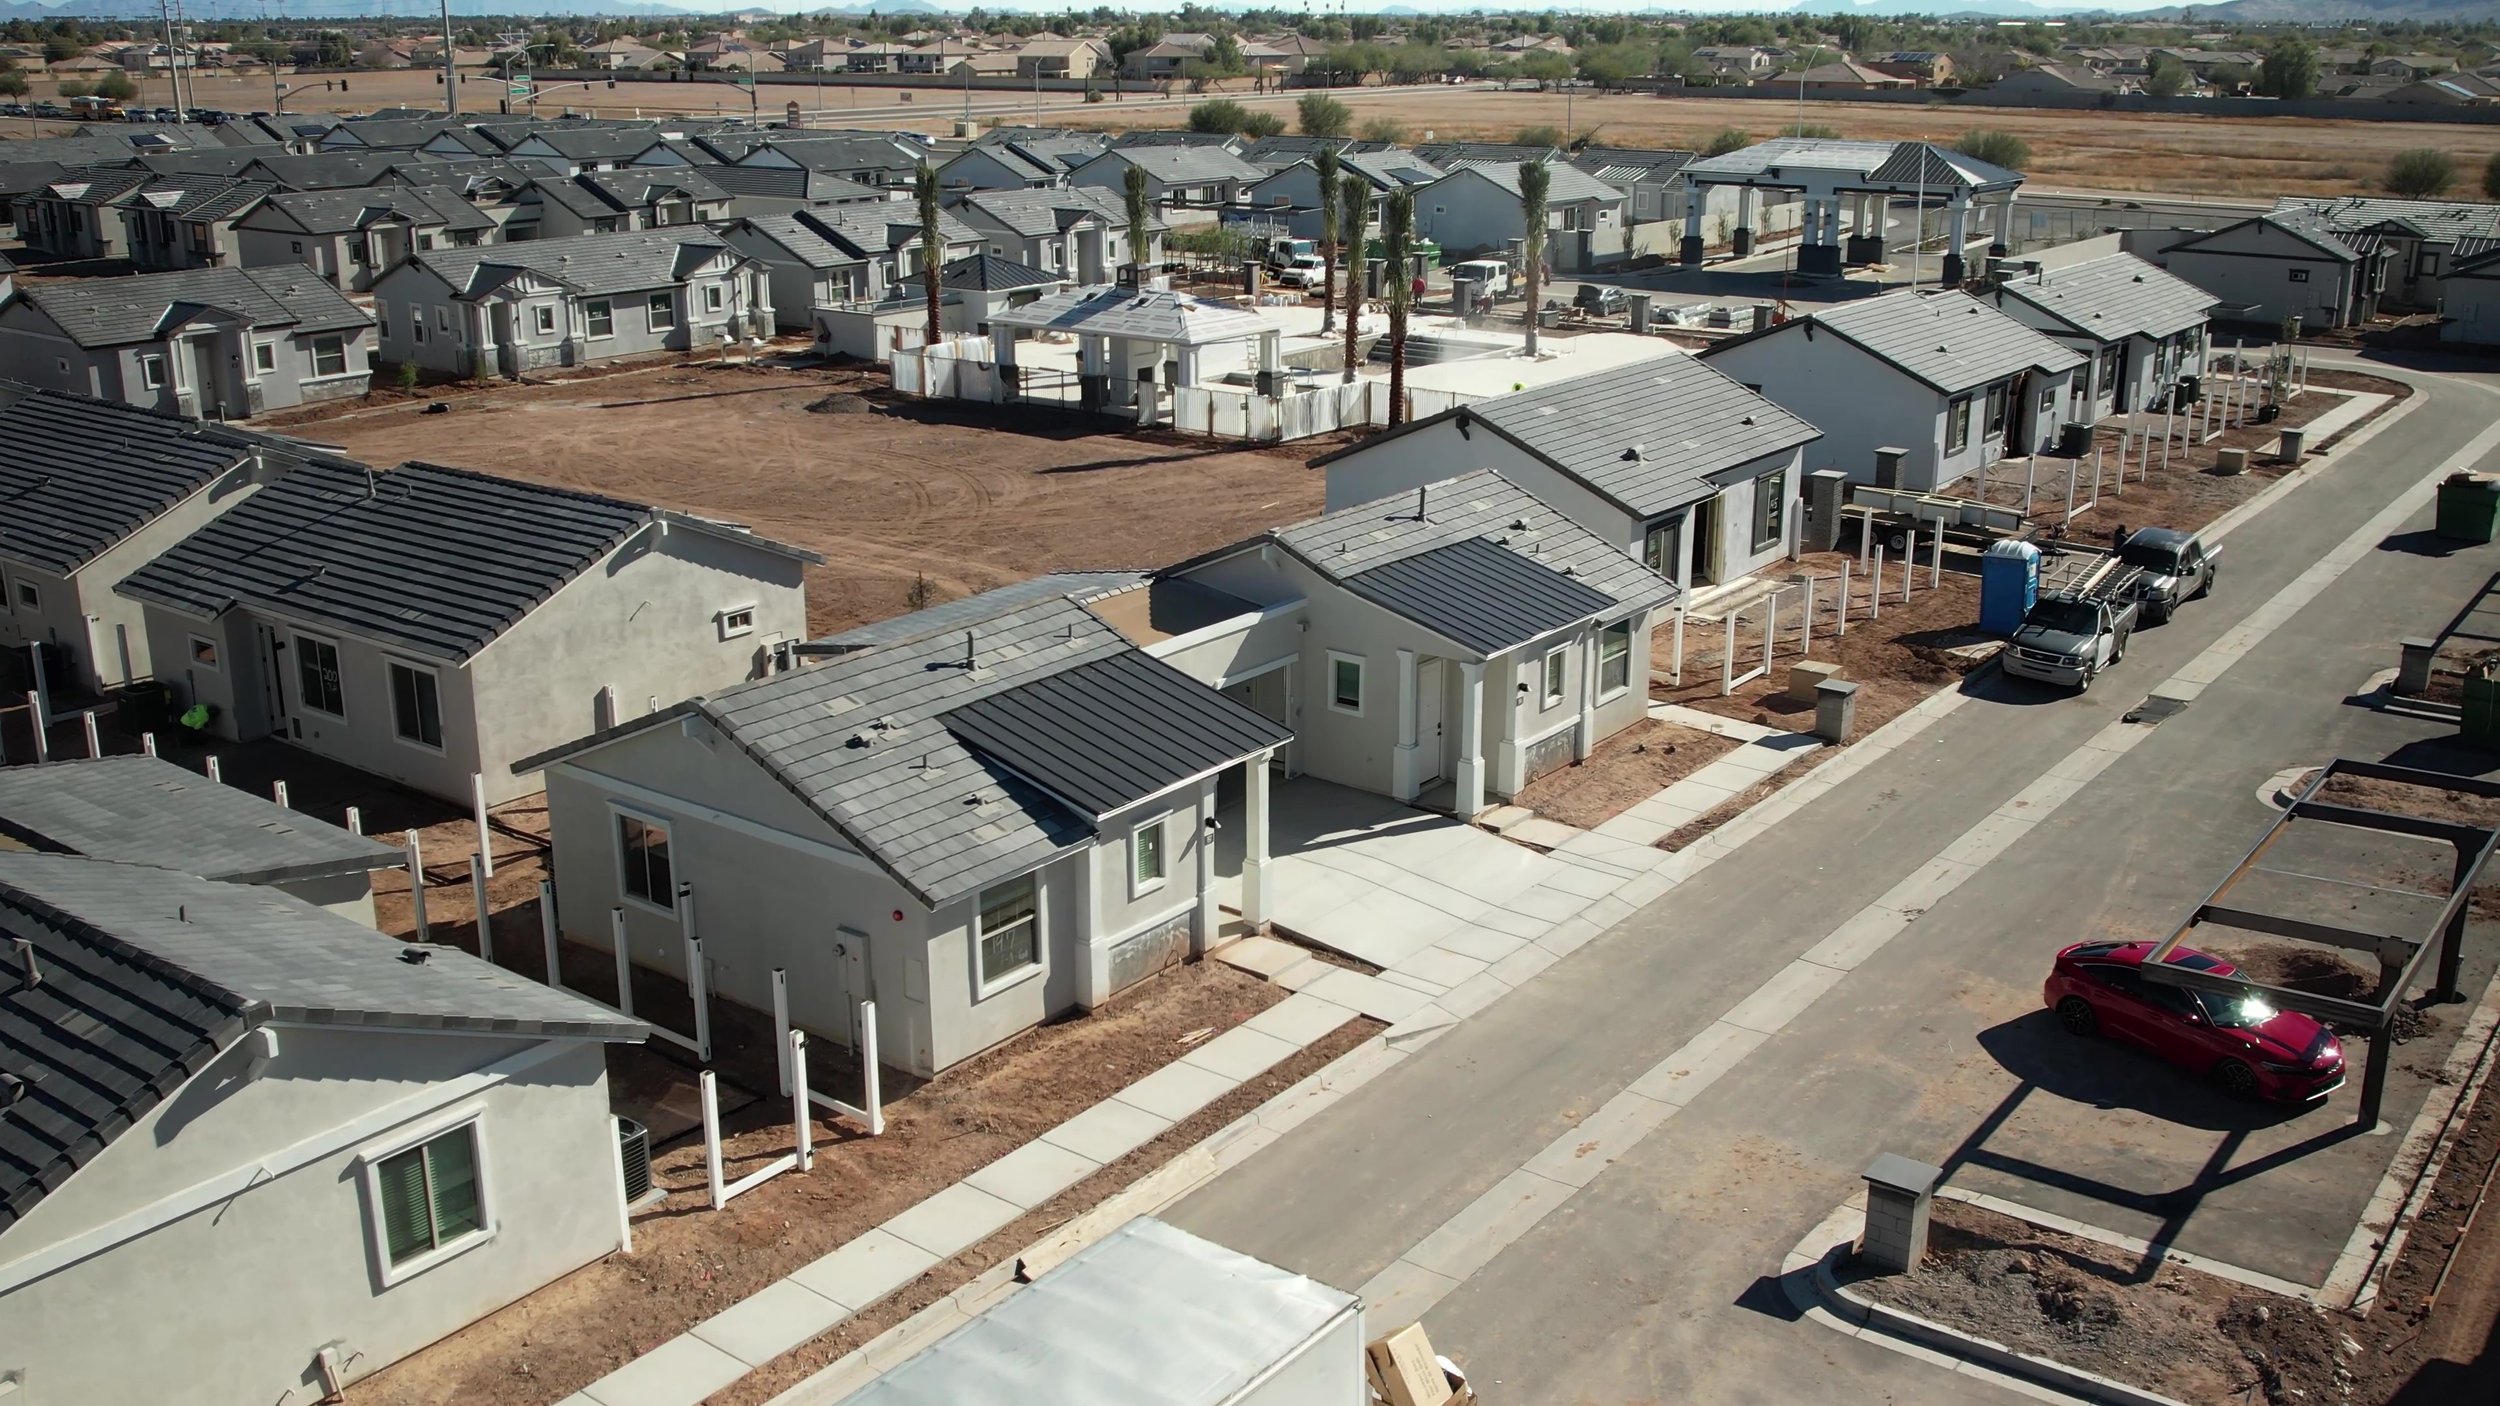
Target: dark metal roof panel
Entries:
(431, 559)
(1486, 597)
(78, 475)
(1108, 734)
(1948, 339)
(145, 810)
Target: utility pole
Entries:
(451, 72)
(173, 79)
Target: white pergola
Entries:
(1865, 178)
(1122, 332)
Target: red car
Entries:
(2248, 1047)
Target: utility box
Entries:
(1899, 1193)
(1826, 491)
(2469, 508)
(1835, 710)
(2009, 585)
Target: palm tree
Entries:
(932, 245)
(1354, 211)
(1397, 228)
(1535, 179)
(1326, 161)
(1134, 187)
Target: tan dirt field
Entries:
(967, 497)
(2092, 150)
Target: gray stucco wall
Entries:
(1860, 404)
(2254, 268)
(33, 350)
(226, 1305)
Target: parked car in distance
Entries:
(1306, 271)
(2069, 640)
(2175, 567)
(2246, 1046)
(1483, 280)
(1598, 299)
(1282, 254)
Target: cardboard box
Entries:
(1404, 1370)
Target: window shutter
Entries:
(407, 1224)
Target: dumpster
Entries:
(2009, 585)
(2469, 508)
(2478, 713)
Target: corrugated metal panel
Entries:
(144, 810)
(2115, 298)
(1109, 734)
(1486, 597)
(78, 475)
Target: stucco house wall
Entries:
(2262, 274)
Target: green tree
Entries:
(1544, 135)
(1728, 139)
(1996, 148)
(2168, 79)
(1133, 194)
(1611, 65)
(2491, 177)
(2290, 69)
(1319, 115)
(1535, 180)
(1262, 123)
(1219, 115)
(1546, 67)
(1326, 164)
(1383, 129)
(60, 48)
(1397, 231)
(932, 242)
(117, 86)
(12, 83)
(2421, 173)
(1354, 213)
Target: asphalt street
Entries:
(1653, 1283)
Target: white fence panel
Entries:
(909, 373)
(1193, 410)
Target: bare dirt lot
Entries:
(966, 498)
(1626, 769)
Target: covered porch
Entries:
(1131, 345)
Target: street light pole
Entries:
(451, 71)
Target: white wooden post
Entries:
(41, 697)
(624, 961)
(2031, 474)
(698, 981)
(1727, 659)
(34, 716)
(1935, 558)
(1866, 537)
(416, 881)
(477, 900)
(624, 1212)
(711, 1137)
(277, 792)
(1909, 564)
(485, 842)
(1677, 672)
(214, 772)
(95, 740)
(802, 1118)
(355, 821)
(1875, 586)
(2126, 441)
(1843, 631)
(871, 1087)
(548, 937)
(1770, 628)
(781, 1021)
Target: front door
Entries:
(1705, 540)
(211, 399)
(1429, 678)
(273, 652)
(507, 357)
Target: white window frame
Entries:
(389, 664)
(26, 595)
(736, 620)
(151, 371)
(659, 312)
(215, 655)
(1138, 884)
(442, 318)
(305, 703)
(417, 324)
(616, 843)
(369, 1160)
(605, 305)
(715, 297)
(344, 367)
(542, 319)
(1557, 684)
(1605, 693)
(264, 357)
(983, 985)
(1362, 683)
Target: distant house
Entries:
(1008, 159)
(1049, 56)
(145, 810)
(349, 236)
(1476, 208)
(219, 343)
(572, 150)
(613, 202)
(1292, 195)
(218, 1082)
(804, 267)
(1744, 61)
(2139, 328)
(1841, 75)
(778, 190)
(1666, 459)
(2286, 263)
(1079, 231)
(2053, 80)
(187, 222)
(624, 55)
(1949, 381)
(2473, 301)
(997, 810)
(507, 308)
(73, 215)
(428, 624)
(1926, 67)
(1198, 176)
(985, 283)
(1167, 58)
(1652, 181)
(2446, 90)
(96, 490)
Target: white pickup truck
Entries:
(1303, 271)
(1483, 280)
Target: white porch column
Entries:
(1695, 195)
(1188, 375)
(1402, 760)
(1470, 738)
(1003, 345)
(1254, 842)
(1586, 742)
(1210, 917)
(1089, 355)
(2001, 242)
(1272, 351)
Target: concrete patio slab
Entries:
(1485, 944)
(1551, 904)
(679, 1372)
(1107, 1131)
(866, 1270)
(1033, 1174)
(1412, 983)
(958, 1217)
(770, 1322)
(1542, 832)
(1380, 927)
(1260, 956)
(1300, 974)
(1587, 883)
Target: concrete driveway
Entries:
(1362, 875)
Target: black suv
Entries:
(1598, 299)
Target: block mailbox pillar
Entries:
(2413, 666)
(1835, 709)
(1826, 491)
(1898, 1195)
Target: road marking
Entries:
(1410, 1286)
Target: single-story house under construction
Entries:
(978, 817)
(434, 625)
(2139, 328)
(250, 1151)
(2286, 263)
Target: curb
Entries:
(1812, 1283)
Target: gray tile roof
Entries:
(144, 810)
(148, 974)
(1900, 165)
(1448, 154)
(1181, 319)
(785, 183)
(1106, 735)
(802, 239)
(114, 312)
(950, 617)
(641, 185)
(78, 475)
(2436, 219)
(591, 143)
(199, 197)
(990, 273)
(1623, 166)
(1564, 182)
(1487, 598)
(345, 211)
(1483, 505)
(1283, 150)
(1947, 339)
(591, 264)
(434, 560)
(1183, 165)
(1647, 435)
(2114, 298)
(1033, 213)
(874, 230)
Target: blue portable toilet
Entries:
(2009, 583)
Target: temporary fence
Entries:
(960, 370)
(800, 1158)
(1746, 642)
(869, 1112)
(698, 980)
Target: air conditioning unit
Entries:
(633, 1150)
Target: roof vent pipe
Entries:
(26, 957)
(968, 655)
(1423, 493)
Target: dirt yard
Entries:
(2183, 1333)
(1625, 770)
(962, 499)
